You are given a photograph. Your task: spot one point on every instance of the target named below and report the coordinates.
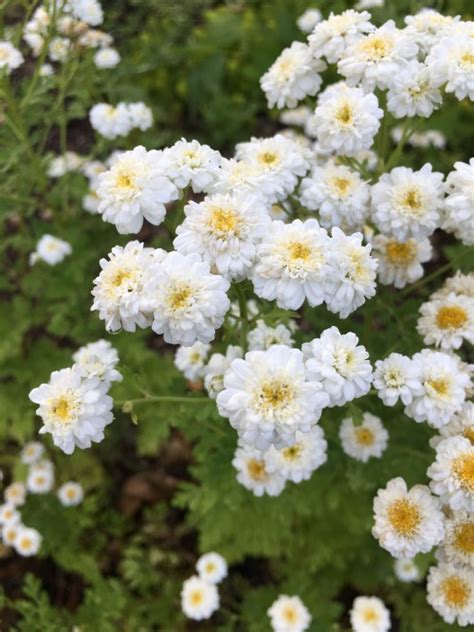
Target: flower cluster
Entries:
(112, 121)
(199, 595)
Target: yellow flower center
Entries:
(210, 567)
(455, 591)
(223, 220)
(463, 470)
(401, 253)
(26, 543)
(394, 378)
(62, 409)
(341, 185)
(467, 62)
(71, 493)
(440, 387)
(375, 48)
(125, 180)
(404, 517)
(469, 434)
(3, 53)
(268, 158)
(413, 200)
(179, 298)
(256, 469)
(464, 537)
(344, 115)
(364, 436)
(299, 251)
(451, 317)
(293, 452)
(196, 597)
(370, 615)
(275, 394)
(289, 614)
(120, 276)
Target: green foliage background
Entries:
(161, 490)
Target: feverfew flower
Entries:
(452, 473)
(32, 452)
(188, 302)
(70, 494)
(212, 567)
(9, 533)
(365, 440)
(106, 58)
(294, 264)
(397, 377)
(15, 493)
(458, 545)
(98, 359)
(216, 367)
(400, 261)
(372, 60)
(9, 514)
(51, 250)
(188, 163)
(135, 188)
(119, 292)
(267, 397)
(263, 336)
(331, 37)
(199, 598)
(461, 423)
(298, 461)
(10, 57)
(447, 321)
(88, 11)
(426, 27)
(292, 76)
(407, 522)
(369, 614)
(337, 362)
(289, 614)
(354, 274)
(346, 120)
(308, 20)
(27, 542)
(407, 203)
(249, 177)
(75, 410)
(338, 193)
(140, 115)
(444, 388)
(191, 360)
(450, 62)
(110, 121)
(40, 479)
(406, 570)
(252, 472)
(224, 230)
(60, 165)
(451, 593)
(413, 91)
(459, 204)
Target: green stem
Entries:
(427, 279)
(186, 399)
(244, 318)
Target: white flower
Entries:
(110, 121)
(369, 614)
(267, 397)
(459, 205)
(191, 360)
(400, 261)
(59, 48)
(452, 474)
(216, 367)
(346, 120)
(457, 547)
(447, 321)
(46, 70)
(119, 292)
(75, 410)
(298, 461)
(342, 366)
(70, 494)
(212, 567)
(331, 37)
(459, 284)
(451, 593)
(292, 76)
(32, 452)
(407, 522)
(51, 250)
(98, 359)
(15, 493)
(135, 188)
(188, 163)
(365, 440)
(40, 479)
(294, 264)
(93, 38)
(413, 91)
(9, 533)
(224, 230)
(90, 202)
(88, 11)
(281, 158)
(27, 542)
(375, 58)
(10, 57)
(444, 388)
(308, 20)
(199, 598)
(249, 177)
(60, 165)
(407, 203)
(263, 336)
(9, 514)
(106, 58)
(406, 570)
(354, 274)
(338, 193)
(461, 423)
(188, 302)
(289, 614)
(252, 472)
(426, 27)
(451, 62)
(141, 115)
(397, 377)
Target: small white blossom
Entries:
(331, 37)
(252, 472)
(15, 493)
(298, 461)
(447, 321)
(459, 205)
(451, 593)
(199, 598)
(406, 570)
(32, 452)
(191, 360)
(397, 377)
(27, 542)
(365, 440)
(51, 250)
(98, 359)
(452, 473)
(369, 614)
(188, 163)
(70, 494)
(216, 367)
(10, 57)
(289, 614)
(212, 567)
(106, 58)
(400, 261)
(263, 336)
